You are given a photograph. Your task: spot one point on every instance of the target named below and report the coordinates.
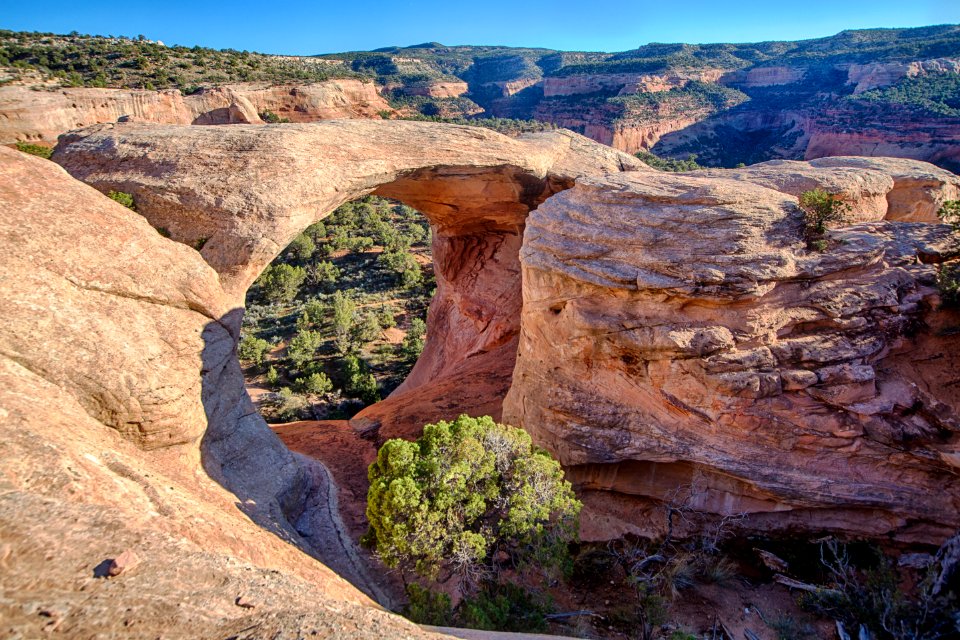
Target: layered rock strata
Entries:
(41, 116)
(678, 337)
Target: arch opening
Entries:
(336, 322)
(469, 247)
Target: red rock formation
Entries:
(438, 89)
(873, 75)
(857, 132)
(475, 186)
(676, 333)
(112, 338)
(44, 115)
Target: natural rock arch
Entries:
(241, 193)
(660, 257)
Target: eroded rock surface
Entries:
(43, 115)
(676, 333)
(874, 188)
(114, 343)
(245, 191)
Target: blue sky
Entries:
(596, 25)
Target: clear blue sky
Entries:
(595, 25)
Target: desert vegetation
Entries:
(819, 210)
(672, 165)
(471, 501)
(948, 276)
(35, 149)
(337, 321)
(77, 60)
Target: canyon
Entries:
(672, 339)
(870, 92)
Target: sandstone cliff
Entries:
(44, 115)
(117, 356)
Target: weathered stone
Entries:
(864, 190)
(919, 188)
(44, 115)
(751, 423)
(123, 563)
(115, 343)
(269, 183)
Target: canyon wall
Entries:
(42, 115)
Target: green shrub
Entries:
(948, 282)
(403, 265)
(317, 231)
(368, 329)
(252, 349)
(462, 491)
(428, 607)
(948, 274)
(343, 312)
(950, 214)
(302, 247)
(668, 164)
(290, 406)
(303, 347)
(387, 317)
(820, 208)
(35, 149)
(360, 383)
(506, 607)
(271, 118)
(123, 198)
(414, 341)
(316, 383)
(325, 274)
(281, 282)
(273, 377)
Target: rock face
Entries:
(875, 188)
(247, 191)
(883, 74)
(936, 141)
(677, 336)
(117, 356)
(44, 115)
(438, 89)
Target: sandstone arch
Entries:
(243, 192)
(724, 243)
